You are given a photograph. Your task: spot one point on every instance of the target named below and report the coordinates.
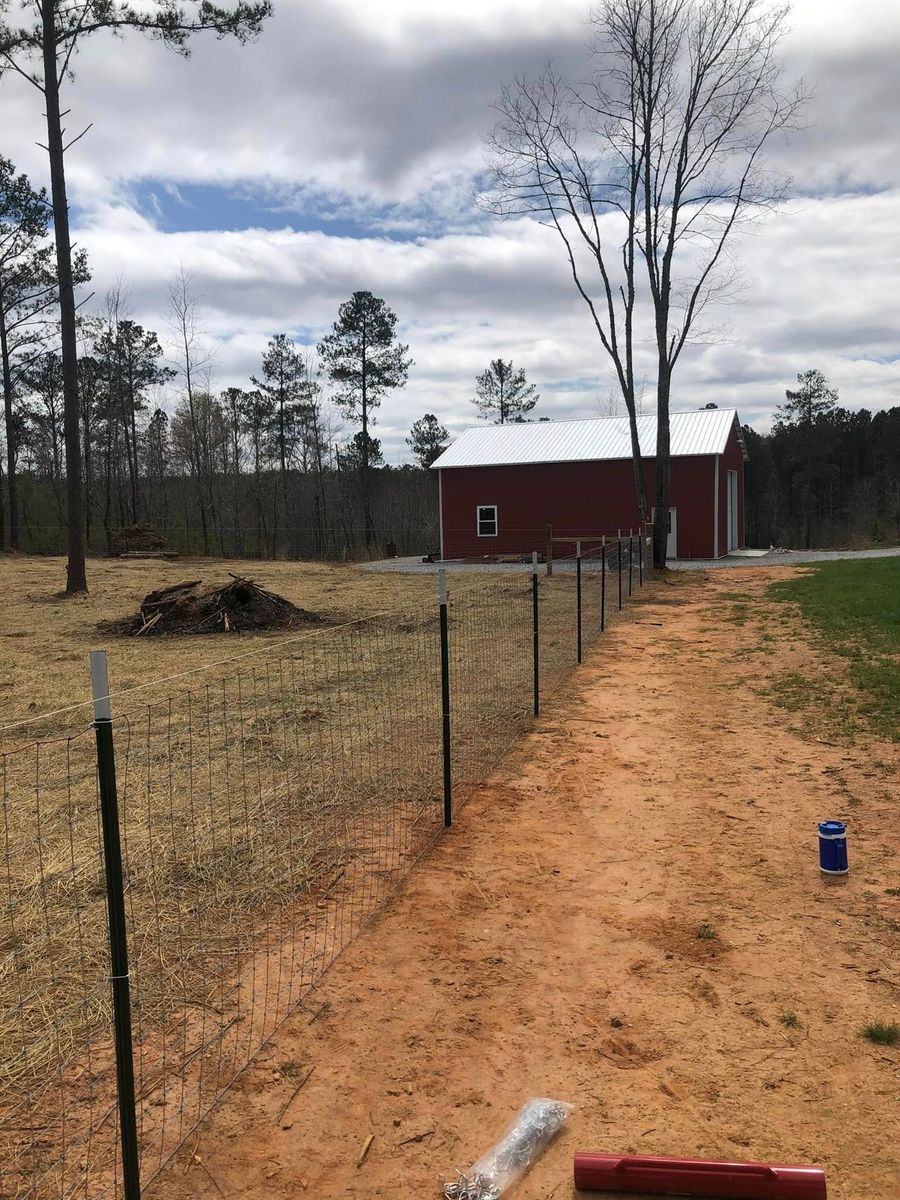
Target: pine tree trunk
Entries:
(368, 524)
(88, 479)
(76, 574)
(11, 448)
(107, 493)
(134, 467)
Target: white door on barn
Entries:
(672, 541)
(732, 511)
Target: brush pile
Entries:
(140, 539)
(192, 607)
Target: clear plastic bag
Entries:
(537, 1124)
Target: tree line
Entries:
(267, 469)
(823, 476)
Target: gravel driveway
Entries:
(775, 558)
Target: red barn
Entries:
(502, 485)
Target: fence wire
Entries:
(265, 814)
(490, 639)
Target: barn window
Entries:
(487, 520)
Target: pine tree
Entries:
(503, 394)
(813, 399)
(361, 355)
(804, 419)
(284, 381)
(428, 440)
(28, 293)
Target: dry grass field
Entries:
(45, 640)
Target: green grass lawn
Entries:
(855, 607)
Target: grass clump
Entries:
(706, 933)
(880, 1034)
(855, 608)
(790, 1020)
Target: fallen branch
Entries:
(293, 1096)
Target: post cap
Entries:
(832, 828)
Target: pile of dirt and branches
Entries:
(140, 539)
(194, 607)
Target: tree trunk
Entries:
(321, 511)
(637, 462)
(627, 383)
(195, 433)
(11, 447)
(281, 450)
(368, 524)
(663, 466)
(88, 476)
(133, 464)
(238, 524)
(107, 492)
(76, 574)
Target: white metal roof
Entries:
(593, 439)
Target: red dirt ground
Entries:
(548, 946)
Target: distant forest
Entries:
(231, 474)
(264, 471)
(824, 476)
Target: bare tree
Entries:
(192, 358)
(554, 158)
(655, 161)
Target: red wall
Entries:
(577, 499)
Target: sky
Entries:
(343, 151)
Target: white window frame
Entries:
(478, 511)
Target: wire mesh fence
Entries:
(263, 816)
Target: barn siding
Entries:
(577, 498)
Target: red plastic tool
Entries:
(697, 1177)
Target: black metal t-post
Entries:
(619, 556)
(445, 701)
(536, 638)
(630, 562)
(578, 599)
(641, 559)
(603, 586)
(118, 933)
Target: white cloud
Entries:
(375, 112)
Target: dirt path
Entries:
(550, 946)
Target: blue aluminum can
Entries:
(833, 848)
